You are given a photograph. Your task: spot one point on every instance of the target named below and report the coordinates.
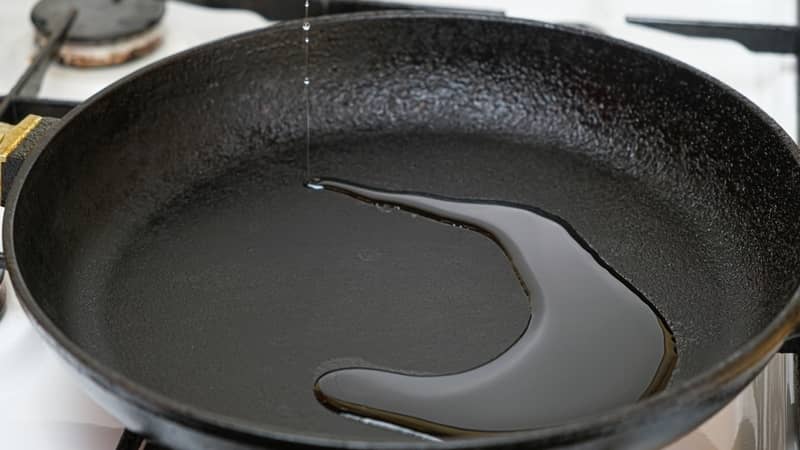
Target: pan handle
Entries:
(16, 142)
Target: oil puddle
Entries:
(592, 342)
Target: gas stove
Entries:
(41, 405)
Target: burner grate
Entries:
(760, 38)
(132, 441)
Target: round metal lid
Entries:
(99, 20)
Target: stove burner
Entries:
(105, 32)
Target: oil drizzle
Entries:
(592, 342)
(307, 85)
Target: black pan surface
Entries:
(162, 236)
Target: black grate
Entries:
(132, 441)
(761, 38)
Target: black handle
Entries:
(30, 81)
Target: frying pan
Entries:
(159, 237)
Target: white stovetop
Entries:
(42, 408)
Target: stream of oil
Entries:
(592, 342)
(307, 85)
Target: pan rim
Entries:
(743, 364)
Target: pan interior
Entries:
(166, 232)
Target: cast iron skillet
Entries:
(159, 237)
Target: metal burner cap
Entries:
(99, 21)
